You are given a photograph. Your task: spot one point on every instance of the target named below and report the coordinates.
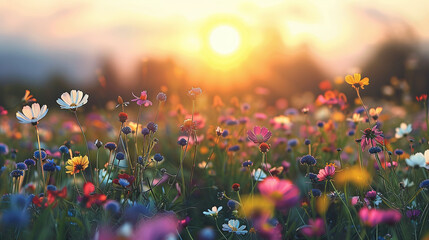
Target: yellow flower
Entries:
(77, 164)
(354, 175)
(356, 81)
(256, 206)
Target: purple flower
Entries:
(259, 135)
(371, 137)
(142, 100)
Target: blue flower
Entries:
(225, 133)
(207, 234)
(4, 149)
(313, 177)
(134, 213)
(21, 166)
(64, 150)
(399, 152)
(320, 124)
(158, 157)
(30, 162)
(308, 160)
(36, 154)
(213, 212)
(15, 218)
(112, 206)
(234, 148)
(126, 130)
(424, 184)
(231, 122)
(374, 150)
(233, 205)
(51, 188)
(16, 173)
(124, 182)
(351, 133)
(316, 192)
(120, 156)
(153, 127)
(50, 166)
(145, 131)
(247, 163)
(110, 145)
(307, 142)
(292, 142)
(234, 227)
(182, 142)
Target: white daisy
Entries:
(32, 114)
(234, 227)
(258, 174)
(213, 212)
(416, 160)
(403, 130)
(73, 100)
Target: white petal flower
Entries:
(427, 157)
(416, 160)
(73, 100)
(32, 114)
(213, 212)
(259, 175)
(234, 227)
(403, 130)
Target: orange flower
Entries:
(28, 98)
(356, 81)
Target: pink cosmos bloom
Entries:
(371, 137)
(373, 217)
(282, 192)
(259, 135)
(158, 227)
(142, 100)
(328, 171)
(3, 112)
(315, 228)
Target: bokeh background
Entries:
(228, 48)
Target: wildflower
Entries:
(142, 100)
(28, 98)
(126, 130)
(225, 133)
(123, 182)
(292, 142)
(21, 166)
(4, 149)
(315, 228)
(122, 117)
(153, 127)
(129, 180)
(158, 157)
(422, 97)
(416, 160)
(207, 233)
(32, 114)
(163, 226)
(356, 118)
(110, 146)
(162, 97)
(308, 160)
(258, 174)
(371, 137)
(413, 214)
(373, 217)
(195, 92)
(374, 150)
(188, 126)
(3, 112)
(15, 218)
(313, 177)
(145, 131)
(213, 212)
(40, 154)
(256, 206)
(315, 192)
(77, 164)
(371, 195)
(327, 172)
(236, 187)
(281, 122)
(283, 193)
(403, 130)
(50, 166)
(264, 147)
(399, 152)
(234, 148)
(16, 173)
(120, 156)
(234, 227)
(259, 135)
(184, 222)
(30, 162)
(375, 112)
(89, 198)
(356, 175)
(307, 142)
(73, 100)
(247, 163)
(219, 131)
(112, 206)
(182, 142)
(356, 81)
(424, 184)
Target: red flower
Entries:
(236, 187)
(264, 147)
(51, 199)
(89, 197)
(125, 176)
(123, 117)
(422, 97)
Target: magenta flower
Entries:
(326, 172)
(371, 137)
(373, 217)
(282, 192)
(159, 227)
(315, 228)
(259, 135)
(142, 100)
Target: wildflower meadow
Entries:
(212, 168)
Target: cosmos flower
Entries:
(283, 193)
(356, 81)
(373, 217)
(371, 137)
(233, 226)
(315, 228)
(73, 100)
(142, 100)
(416, 160)
(259, 135)
(327, 172)
(403, 130)
(77, 164)
(32, 114)
(213, 212)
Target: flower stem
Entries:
(84, 138)
(40, 159)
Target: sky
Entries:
(40, 37)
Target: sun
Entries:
(224, 39)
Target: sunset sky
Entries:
(71, 36)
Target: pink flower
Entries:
(373, 217)
(142, 100)
(158, 227)
(328, 171)
(259, 135)
(371, 137)
(315, 228)
(282, 192)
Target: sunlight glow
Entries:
(224, 39)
